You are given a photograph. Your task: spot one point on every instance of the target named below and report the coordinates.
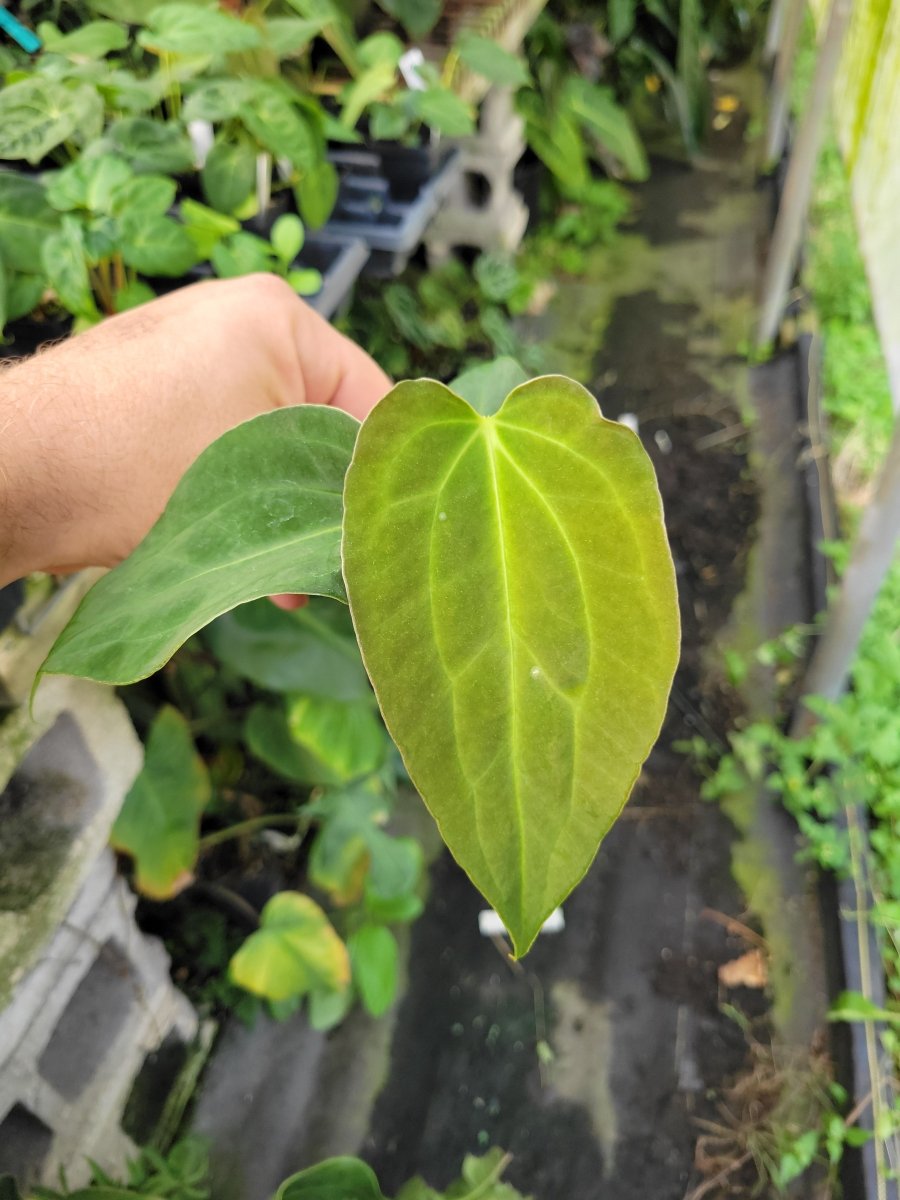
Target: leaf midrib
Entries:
(490, 438)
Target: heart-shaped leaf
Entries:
(259, 512)
(514, 599)
(294, 951)
(312, 649)
(159, 825)
(333, 1179)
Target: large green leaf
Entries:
(88, 183)
(416, 16)
(316, 193)
(279, 127)
(26, 219)
(229, 174)
(258, 512)
(153, 145)
(514, 599)
(36, 116)
(312, 649)
(95, 39)
(333, 1179)
(64, 257)
(159, 825)
(188, 29)
(346, 737)
(156, 245)
(268, 737)
(294, 951)
(483, 56)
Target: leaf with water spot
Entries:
(514, 599)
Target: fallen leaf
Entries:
(749, 970)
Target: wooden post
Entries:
(873, 553)
(800, 172)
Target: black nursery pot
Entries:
(407, 168)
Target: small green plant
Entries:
(520, 635)
(182, 1174)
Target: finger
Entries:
(335, 370)
(289, 602)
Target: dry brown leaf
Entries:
(750, 970)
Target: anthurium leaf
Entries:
(279, 128)
(327, 1009)
(287, 36)
(349, 820)
(241, 254)
(294, 951)
(416, 16)
(373, 959)
(514, 599)
(346, 737)
(229, 175)
(88, 183)
(269, 738)
(151, 195)
(64, 257)
(485, 386)
(312, 649)
(333, 1179)
(36, 116)
(156, 245)
(159, 825)
(95, 39)
(306, 281)
(259, 512)
(153, 145)
(189, 29)
(26, 219)
(316, 192)
(483, 56)
(444, 111)
(287, 237)
(23, 294)
(205, 226)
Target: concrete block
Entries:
(57, 809)
(78, 1031)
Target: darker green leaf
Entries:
(259, 512)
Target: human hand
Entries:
(96, 432)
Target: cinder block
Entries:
(57, 809)
(483, 209)
(79, 1029)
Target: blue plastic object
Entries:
(21, 34)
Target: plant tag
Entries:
(409, 65)
(491, 925)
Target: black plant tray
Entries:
(340, 261)
(367, 208)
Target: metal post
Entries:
(774, 28)
(800, 172)
(873, 553)
(787, 17)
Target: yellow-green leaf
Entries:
(294, 951)
(159, 824)
(514, 599)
